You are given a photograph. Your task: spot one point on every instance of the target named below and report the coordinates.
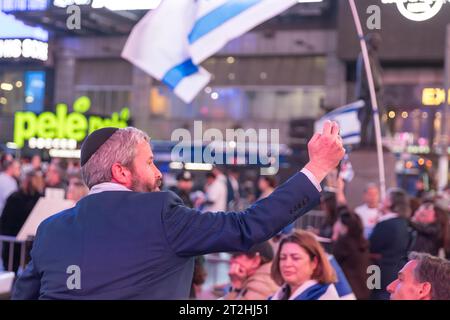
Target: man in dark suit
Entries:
(391, 240)
(125, 240)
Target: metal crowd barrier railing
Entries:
(11, 241)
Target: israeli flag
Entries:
(169, 43)
(342, 285)
(347, 117)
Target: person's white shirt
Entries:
(369, 218)
(216, 193)
(8, 185)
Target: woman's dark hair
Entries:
(27, 185)
(442, 220)
(355, 229)
(329, 200)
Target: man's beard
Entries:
(139, 186)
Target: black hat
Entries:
(263, 249)
(185, 175)
(94, 141)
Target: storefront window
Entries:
(106, 100)
(218, 103)
(22, 91)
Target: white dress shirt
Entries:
(8, 185)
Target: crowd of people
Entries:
(22, 183)
(407, 238)
(384, 233)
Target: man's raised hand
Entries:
(325, 151)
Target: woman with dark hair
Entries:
(351, 251)
(18, 206)
(431, 225)
(329, 205)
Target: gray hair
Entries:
(434, 270)
(370, 185)
(119, 148)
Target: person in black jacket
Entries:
(391, 240)
(17, 209)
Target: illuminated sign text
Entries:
(27, 48)
(64, 125)
(434, 96)
(418, 10)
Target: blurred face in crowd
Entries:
(210, 180)
(263, 184)
(339, 229)
(76, 190)
(244, 265)
(407, 287)
(386, 204)
(53, 176)
(425, 214)
(15, 169)
(36, 162)
(296, 265)
(33, 183)
(38, 183)
(372, 197)
(185, 185)
(8, 157)
(146, 177)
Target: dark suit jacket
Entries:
(131, 245)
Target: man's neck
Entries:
(108, 186)
(8, 173)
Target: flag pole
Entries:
(444, 140)
(373, 98)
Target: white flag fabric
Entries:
(347, 117)
(171, 41)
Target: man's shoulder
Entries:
(15, 196)
(148, 199)
(389, 224)
(57, 217)
(7, 181)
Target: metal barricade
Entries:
(313, 219)
(11, 241)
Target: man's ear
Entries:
(425, 291)
(257, 261)
(121, 174)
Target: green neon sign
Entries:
(63, 125)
